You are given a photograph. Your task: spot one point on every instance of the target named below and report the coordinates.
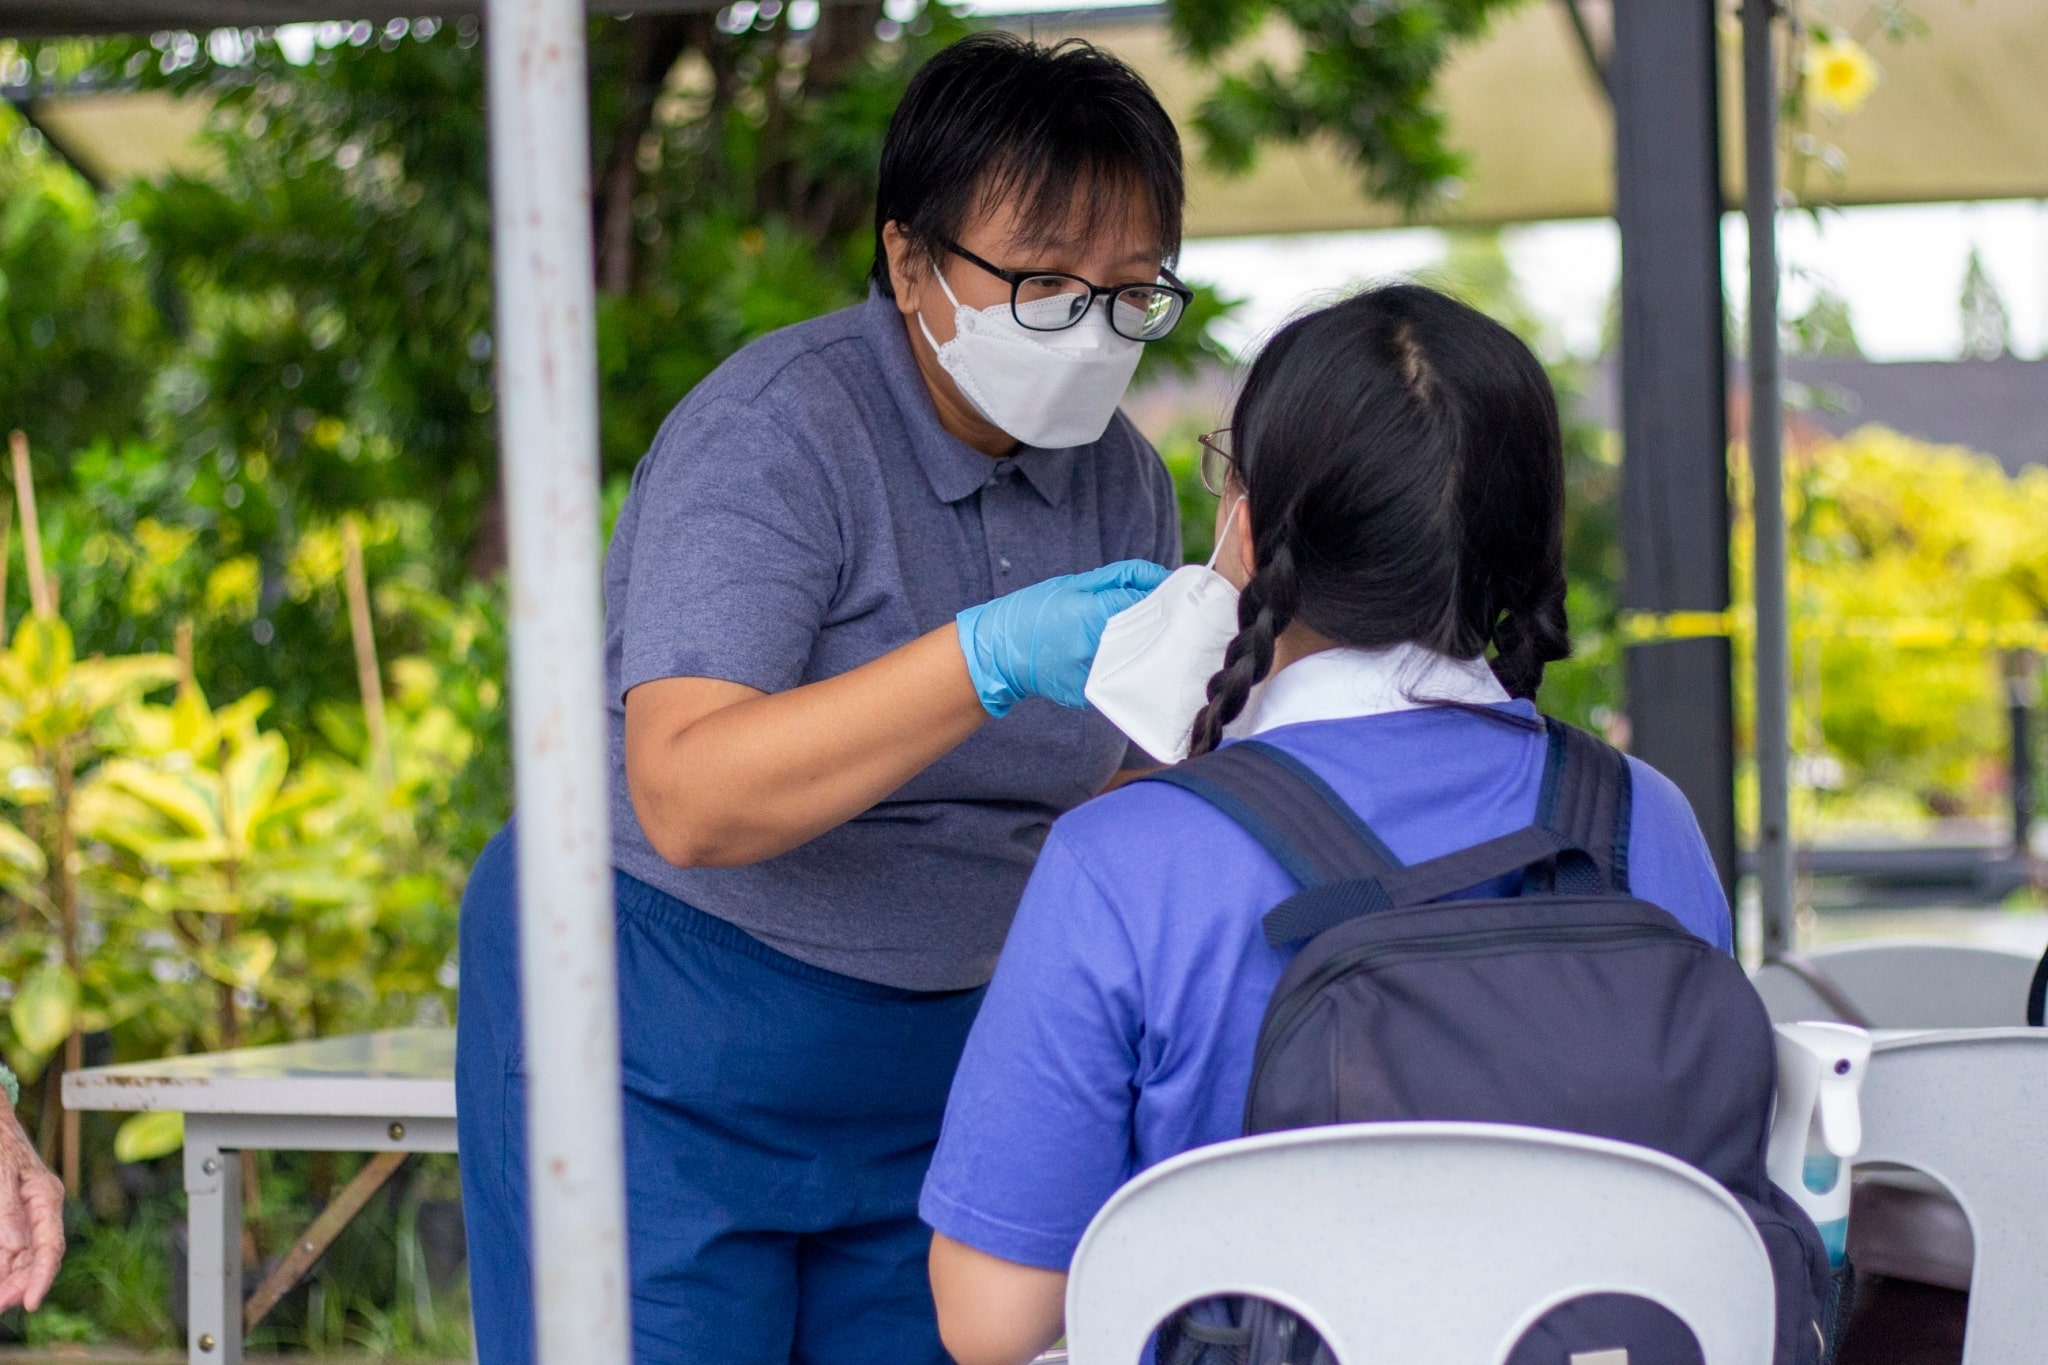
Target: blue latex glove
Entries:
(1040, 641)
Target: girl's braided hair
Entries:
(1403, 476)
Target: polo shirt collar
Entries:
(956, 470)
(1341, 684)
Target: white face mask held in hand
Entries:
(1152, 670)
(1048, 389)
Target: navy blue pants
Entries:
(778, 1122)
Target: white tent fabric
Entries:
(1955, 116)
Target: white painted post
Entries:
(547, 420)
(213, 1222)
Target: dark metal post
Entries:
(1674, 401)
(2022, 690)
(1766, 467)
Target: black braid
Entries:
(1527, 638)
(1265, 608)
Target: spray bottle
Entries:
(1818, 1126)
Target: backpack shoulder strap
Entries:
(1586, 800)
(1295, 816)
(1578, 845)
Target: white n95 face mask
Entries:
(1048, 389)
(1152, 670)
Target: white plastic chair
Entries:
(1903, 1223)
(1438, 1242)
(1905, 983)
(1967, 1109)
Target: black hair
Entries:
(994, 116)
(1403, 474)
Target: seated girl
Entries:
(1393, 516)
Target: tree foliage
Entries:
(1886, 532)
(326, 288)
(1362, 73)
(78, 341)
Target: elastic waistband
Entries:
(651, 904)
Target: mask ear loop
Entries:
(1229, 520)
(951, 298)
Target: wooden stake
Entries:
(43, 598)
(368, 678)
(40, 597)
(67, 904)
(73, 1170)
(313, 1243)
(181, 646)
(6, 547)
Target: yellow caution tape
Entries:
(1907, 632)
(1645, 627)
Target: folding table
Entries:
(387, 1093)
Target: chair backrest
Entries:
(1906, 983)
(1966, 1108)
(1420, 1241)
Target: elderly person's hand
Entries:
(31, 1218)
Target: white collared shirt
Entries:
(1342, 683)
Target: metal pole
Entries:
(2022, 687)
(547, 421)
(1674, 398)
(1766, 468)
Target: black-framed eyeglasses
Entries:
(1049, 301)
(1219, 464)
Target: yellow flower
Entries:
(1839, 75)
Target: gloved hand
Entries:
(1040, 641)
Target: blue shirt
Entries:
(1120, 1025)
(802, 513)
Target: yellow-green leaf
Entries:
(43, 1008)
(312, 886)
(244, 960)
(205, 894)
(254, 773)
(238, 717)
(148, 729)
(185, 852)
(191, 797)
(19, 853)
(106, 812)
(43, 650)
(192, 727)
(145, 1137)
(100, 684)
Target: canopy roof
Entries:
(1957, 115)
(47, 18)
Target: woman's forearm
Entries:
(723, 775)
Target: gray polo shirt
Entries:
(802, 513)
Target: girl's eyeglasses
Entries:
(1219, 466)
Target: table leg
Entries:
(213, 1193)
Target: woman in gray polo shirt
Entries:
(851, 603)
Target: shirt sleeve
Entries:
(1037, 1134)
(1668, 862)
(737, 554)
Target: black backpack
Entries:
(1571, 1005)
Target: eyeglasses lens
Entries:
(1144, 313)
(1217, 462)
(1050, 303)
